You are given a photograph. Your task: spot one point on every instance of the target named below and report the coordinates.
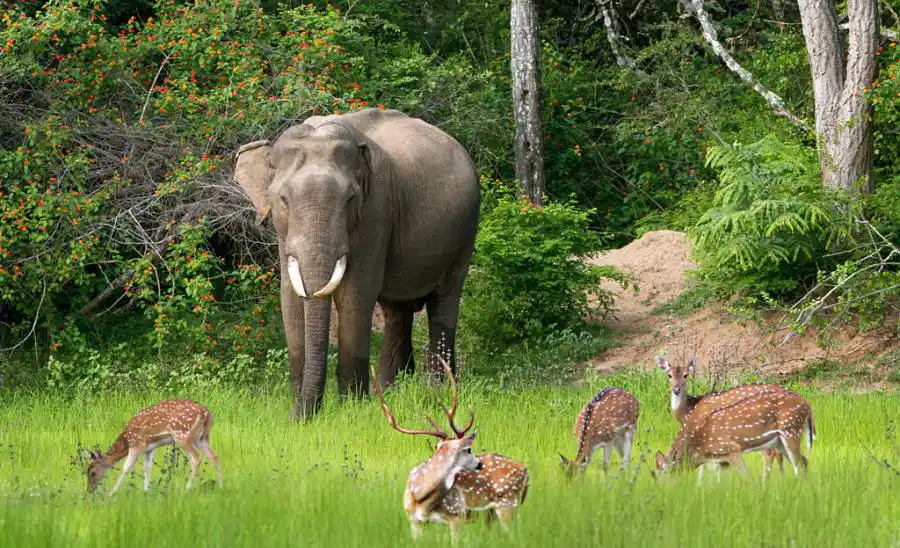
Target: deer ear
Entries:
(660, 460)
(563, 459)
(471, 437)
(662, 363)
(253, 172)
(692, 365)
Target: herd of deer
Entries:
(716, 429)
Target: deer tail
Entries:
(524, 489)
(810, 431)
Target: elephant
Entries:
(371, 206)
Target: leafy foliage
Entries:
(529, 277)
(771, 221)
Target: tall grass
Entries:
(338, 481)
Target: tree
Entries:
(525, 64)
(844, 125)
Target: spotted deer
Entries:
(775, 421)
(684, 404)
(607, 421)
(182, 422)
(454, 484)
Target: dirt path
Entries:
(660, 261)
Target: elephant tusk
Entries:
(296, 279)
(336, 278)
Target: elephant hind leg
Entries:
(396, 350)
(442, 305)
(443, 311)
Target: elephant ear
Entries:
(253, 172)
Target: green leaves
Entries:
(771, 220)
(529, 276)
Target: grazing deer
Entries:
(182, 422)
(765, 421)
(453, 484)
(684, 404)
(607, 421)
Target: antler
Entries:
(390, 417)
(451, 413)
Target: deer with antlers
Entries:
(454, 484)
(182, 422)
(685, 404)
(775, 421)
(607, 421)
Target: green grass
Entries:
(338, 481)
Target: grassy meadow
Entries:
(338, 481)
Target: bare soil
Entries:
(660, 262)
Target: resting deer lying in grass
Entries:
(607, 421)
(773, 421)
(453, 484)
(685, 404)
(182, 422)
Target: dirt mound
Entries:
(660, 262)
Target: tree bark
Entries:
(844, 125)
(525, 64)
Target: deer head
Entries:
(453, 453)
(97, 470)
(678, 374)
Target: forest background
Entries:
(128, 257)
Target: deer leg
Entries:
(607, 454)
(191, 450)
(211, 455)
(505, 514)
(455, 525)
(415, 529)
(148, 464)
(130, 461)
(788, 450)
(625, 451)
(795, 455)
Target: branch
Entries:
(885, 33)
(37, 315)
(709, 33)
(623, 60)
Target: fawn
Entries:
(685, 404)
(453, 484)
(608, 420)
(765, 421)
(182, 422)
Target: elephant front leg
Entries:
(293, 318)
(396, 350)
(354, 334)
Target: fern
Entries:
(770, 221)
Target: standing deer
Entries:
(453, 484)
(608, 420)
(765, 421)
(685, 404)
(182, 422)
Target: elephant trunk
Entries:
(317, 314)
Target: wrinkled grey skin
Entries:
(397, 196)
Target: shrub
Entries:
(115, 186)
(529, 277)
(771, 221)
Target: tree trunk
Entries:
(844, 125)
(778, 12)
(525, 62)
